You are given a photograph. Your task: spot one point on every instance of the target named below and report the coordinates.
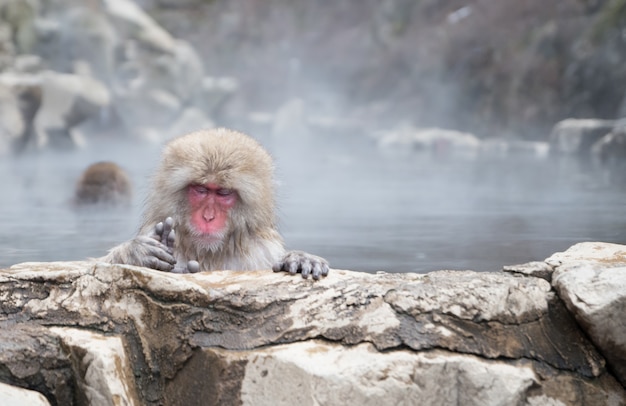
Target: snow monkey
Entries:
(211, 207)
(103, 183)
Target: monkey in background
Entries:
(211, 207)
(103, 183)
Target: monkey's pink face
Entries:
(210, 205)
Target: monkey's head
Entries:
(103, 183)
(214, 183)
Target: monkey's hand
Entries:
(155, 251)
(164, 232)
(143, 251)
(303, 262)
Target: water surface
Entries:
(361, 208)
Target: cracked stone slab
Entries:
(591, 280)
(101, 367)
(165, 318)
(31, 357)
(537, 269)
(320, 373)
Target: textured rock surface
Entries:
(576, 136)
(13, 396)
(538, 269)
(269, 338)
(591, 280)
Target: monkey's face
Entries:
(210, 207)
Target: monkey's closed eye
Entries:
(202, 190)
(225, 192)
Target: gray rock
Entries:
(145, 113)
(134, 23)
(27, 90)
(356, 375)
(89, 37)
(267, 338)
(180, 72)
(191, 119)
(20, 16)
(433, 139)
(11, 122)
(538, 269)
(591, 280)
(102, 364)
(103, 65)
(69, 100)
(576, 136)
(28, 63)
(31, 357)
(14, 396)
(609, 153)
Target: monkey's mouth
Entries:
(208, 241)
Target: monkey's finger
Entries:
(193, 266)
(158, 229)
(167, 229)
(171, 239)
(293, 267)
(163, 256)
(317, 271)
(155, 263)
(325, 269)
(155, 249)
(278, 266)
(306, 268)
(153, 245)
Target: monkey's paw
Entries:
(147, 252)
(303, 262)
(189, 267)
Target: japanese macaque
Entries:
(211, 207)
(103, 183)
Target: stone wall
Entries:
(89, 333)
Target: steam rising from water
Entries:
(342, 199)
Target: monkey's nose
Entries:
(208, 215)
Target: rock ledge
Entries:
(98, 334)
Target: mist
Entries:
(322, 108)
(343, 199)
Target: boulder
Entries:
(69, 100)
(146, 112)
(538, 269)
(191, 119)
(437, 140)
(132, 22)
(27, 90)
(11, 122)
(91, 332)
(88, 37)
(181, 72)
(609, 153)
(576, 136)
(20, 16)
(109, 67)
(591, 279)
(214, 93)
